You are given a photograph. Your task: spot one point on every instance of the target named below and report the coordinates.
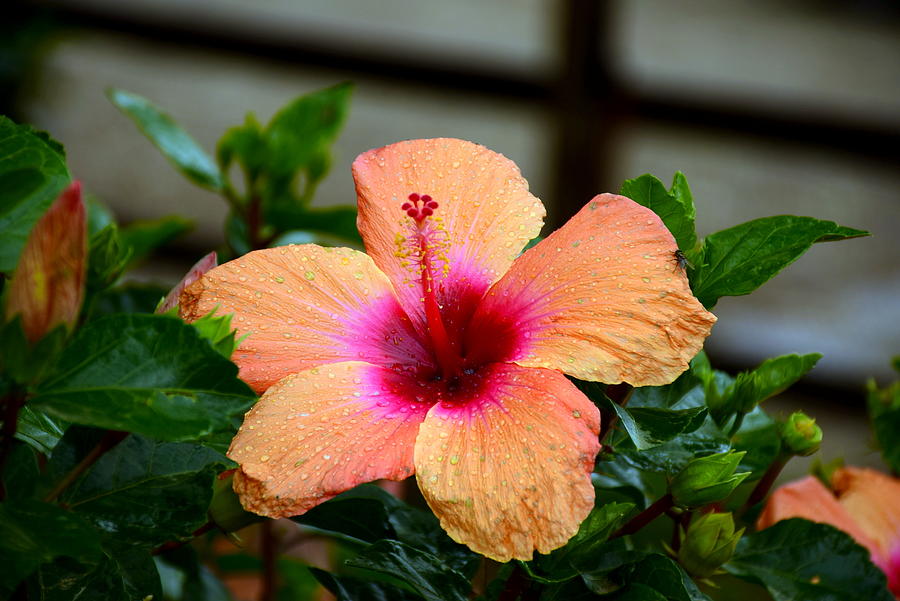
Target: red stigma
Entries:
(417, 211)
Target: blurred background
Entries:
(769, 107)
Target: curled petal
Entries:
(507, 471)
(302, 306)
(198, 269)
(320, 432)
(48, 286)
(603, 298)
(485, 216)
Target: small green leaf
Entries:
(675, 207)
(770, 378)
(141, 238)
(246, 144)
(650, 427)
(20, 473)
(797, 560)
(738, 260)
(144, 492)
(424, 573)
(218, 331)
(32, 533)
(175, 144)
(33, 173)
(884, 411)
(39, 430)
(149, 374)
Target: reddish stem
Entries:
(111, 439)
(658, 508)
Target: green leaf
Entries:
(582, 549)
(141, 238)
(107, 259)
(740, 259)
(753, 387)
(32, 533)
(98, 215)
(760, 438)
(124, 574)
(20, 472)
(797, 560)
(675, 207)
(424, 573)
(662, 576)
(300, 133)
(352, 589)
(39, 430)
(218, 331)
(368, 513)
(175, 143)
(149, 374)
(335, 221)
(884, 411)
(132, 297)
(23, 362)
(650, 427)
(184, 578)
(142, 492)
(246, 144)
(33, 173)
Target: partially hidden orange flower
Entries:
(47, 288)
(864, 503)
(443, 353)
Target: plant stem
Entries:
(738, 421)
(12, 404)
(659, 507)
(517, 586)
(109, 440)
(763, 487)
(269, 552)
(174, 544)
(254, 221)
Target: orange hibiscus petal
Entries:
(873, 499)
(507, 470)
(320, 432)
(302, 306)
(809, 499)
(602, 299)
(484, 209)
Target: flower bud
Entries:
(47, 288)
(801, 435)
(707, 479)
(708, 543)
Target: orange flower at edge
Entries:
(443, 353)
(864, 503)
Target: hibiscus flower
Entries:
(444, 353)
